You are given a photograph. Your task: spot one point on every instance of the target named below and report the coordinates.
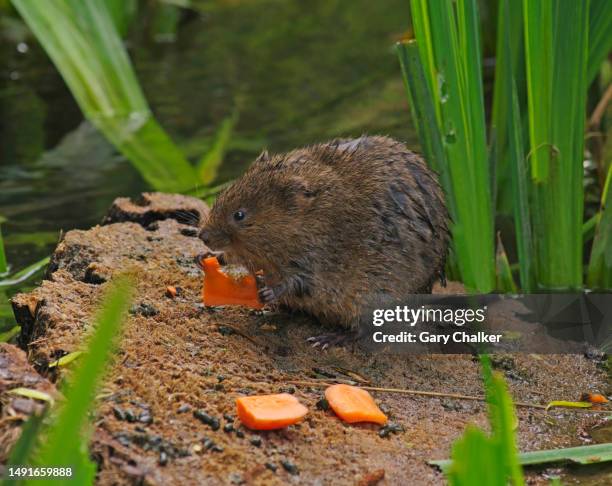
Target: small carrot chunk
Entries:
(268, 412)
(594, 398)
(228, 287)
(354, 404)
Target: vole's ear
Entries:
(329, 152)
(300, 192)
(263, 157)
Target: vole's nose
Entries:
(205, 236)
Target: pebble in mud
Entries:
(163, 458)
(145, 418)
(390, 429)
(210, 445)
(228, 428)
(146, 442)
(236, 478)
(206, 419)
(290, 467)
(118, 413)
(256, 441)
(322, 404)
(129, 416)
(271, 467)
(184, 408)
(144, 309)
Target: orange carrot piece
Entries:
(353, 404)
(268, 412)
(595, 398)
(223, 289)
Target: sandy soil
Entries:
(178, 357)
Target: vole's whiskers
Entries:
(191, 218)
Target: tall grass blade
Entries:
(600, 36)
(502, 419)
(600, 264)
(5, 337)
(3, 262)
(508, 135)
(481, 459)
(568, 125)
(60, 446)
(509, 61)
(556, 73)
(505, 281)
(23, 275)
(81, 39)
(66, 438)
(422, 32)
(538, 27)
(451, 60)
(208, 166)
(23, 449)
(423, 112)
(122, 12)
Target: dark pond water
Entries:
(300, 75)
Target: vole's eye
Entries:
(239, 215)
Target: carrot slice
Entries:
(268, 412)
(227, 287)
(594, 398)
(353, 404)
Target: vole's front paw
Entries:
(333, 339)
(207, 254)
(267, 295)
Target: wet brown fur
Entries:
(337, 228)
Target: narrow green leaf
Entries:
(509, 64)
(25, 274)
(122, 12)
(450, 56)
(565, 404)
(31, 393)
(209, 164)
(600, 36)
(600, 264)
(422, 32)
(508, 118)
(6, 336)
(538, 29)
(505, 281)
(589, 227)
(3, 263)
(23, 449)
(556, 68)
(165, 22)
(66, 359)
(481, 459)
(82, 41)
(590, 454)
(503, 420)
(423, 111)
(424, 115)
(66, 442)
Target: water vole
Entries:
(337, 228)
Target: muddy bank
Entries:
(178, 357)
